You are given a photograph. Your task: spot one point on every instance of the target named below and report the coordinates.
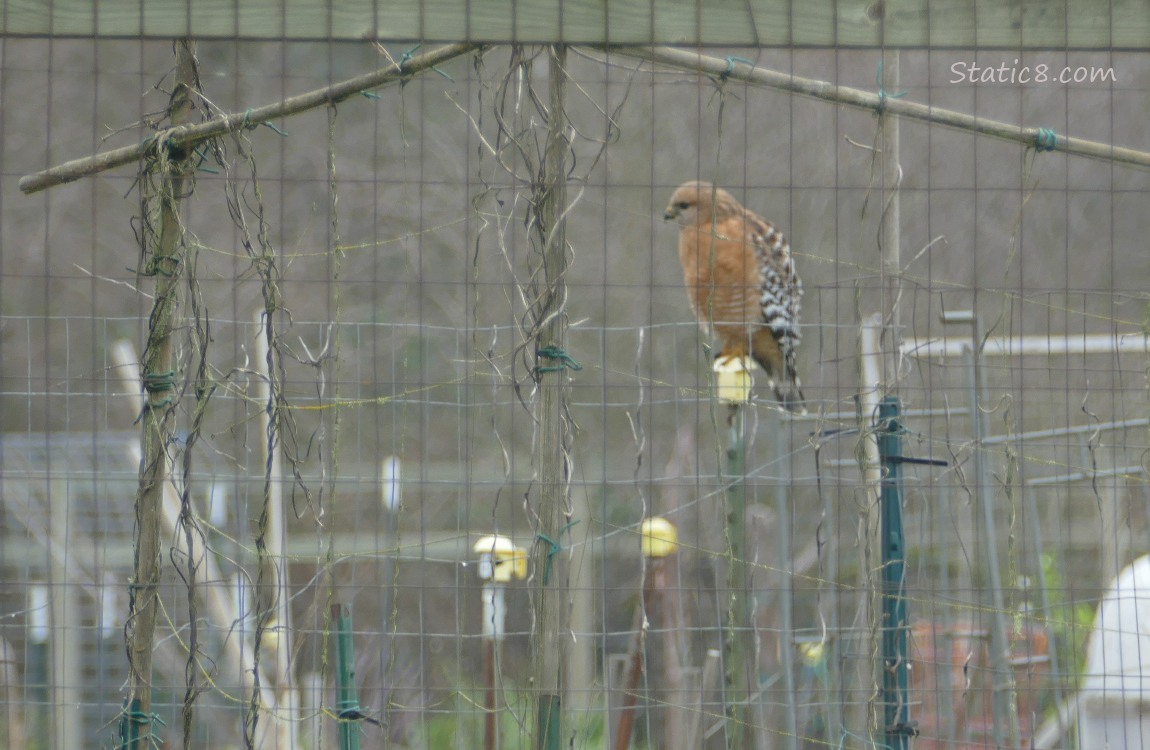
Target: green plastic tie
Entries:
(130, 722)
(731, 60)
(553, 548)
(1045, 140)
(202, 152)
(882, 94)
(407, 58)
(247, 123)
(153, 266)
(159, 382)
(565, 360)
(407, 55)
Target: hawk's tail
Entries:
(790, 395)
(788, 390)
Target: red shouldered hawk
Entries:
(742, 282)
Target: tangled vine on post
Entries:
(164, 258)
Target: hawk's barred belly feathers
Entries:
(742, 282)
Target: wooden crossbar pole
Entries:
(736, 70)
(185, 135)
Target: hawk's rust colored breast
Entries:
(721, 275)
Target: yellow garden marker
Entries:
(733, 379)
(660, 537)
(500, 561)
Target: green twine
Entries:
(1045, 139)
(565, 360)
(202, 152)
(407, 58)
(553, 548)
(407, 55)
(152, 268)
(882, 94)
(731, 60)
(370, 95)
(140, 718)
(247, 123)
(154, 140)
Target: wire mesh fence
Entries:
(343, 348)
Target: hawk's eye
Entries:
(683, 205)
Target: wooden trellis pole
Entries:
(159, 383)
(890, 234)
(549, 602)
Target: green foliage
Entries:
(463, 728)
(1068, 625)
(1069, 622)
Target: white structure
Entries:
(1114, 702)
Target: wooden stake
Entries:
(857, 682)
(653, 583)
(550, 605)
(158, 415)
(65, 619)
(490, 705)
(889, 228)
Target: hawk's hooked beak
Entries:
(670, 214)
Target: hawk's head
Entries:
(694, 203)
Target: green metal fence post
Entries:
(741, 666)
(894, 624)
(347, 704)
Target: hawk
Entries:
(742, 283)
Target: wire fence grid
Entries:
(358, 296)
